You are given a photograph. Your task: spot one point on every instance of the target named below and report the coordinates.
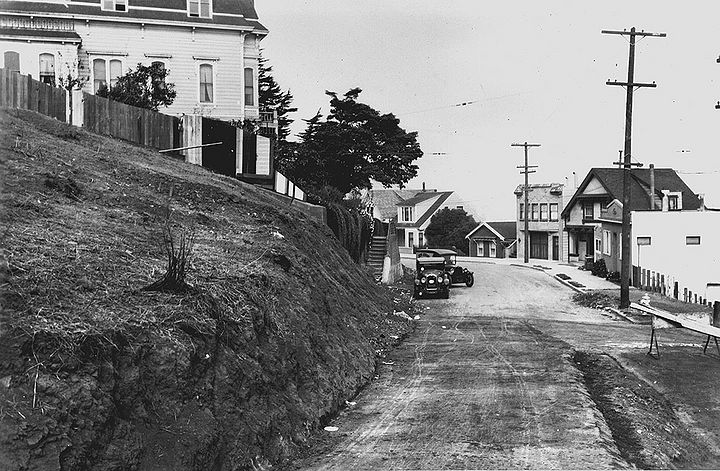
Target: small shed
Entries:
(493, 240)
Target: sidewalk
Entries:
(569, 275)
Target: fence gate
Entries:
(219, 158)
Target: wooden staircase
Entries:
(376, 257)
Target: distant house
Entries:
(547, 239)
(650, 188)
(383, 202)
(493, 240)
(411, 210)
(414, 215)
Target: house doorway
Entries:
(555, 247)
(539, 245)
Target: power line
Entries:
(461, 104)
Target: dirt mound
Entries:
(279, 328)
(644, 424)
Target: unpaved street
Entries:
(488, 380)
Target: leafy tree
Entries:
(272, 97)
(448, 228)
(353, 145)
(144, 87)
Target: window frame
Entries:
(115, 4)
(646, 240)
(214, 82)
(251, 85)
(676, 199)
(7, 54)
(40, 68)
(93, 73)
(493, 249)
(534, 211)
(407, 213)
(607, 243)
(522, 212)
(691, 240)
(544, 205)
(199, 11)
(113, 78)
(556, 206)
(591, 207)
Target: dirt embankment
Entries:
(644, 424)
(95, 372)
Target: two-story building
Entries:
(545, 228)
(210, 47)
(587, 210)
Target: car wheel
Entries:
(469, 280)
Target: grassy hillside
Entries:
(275, 330)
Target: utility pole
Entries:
(526, 170)
(630, 86)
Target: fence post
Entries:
(78, 108)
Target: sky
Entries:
(534, 70)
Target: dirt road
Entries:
(490, 379)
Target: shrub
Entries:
(599, 268)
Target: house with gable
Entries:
(597, 197)
(410, 211)
(493, 240)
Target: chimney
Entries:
(652, 187)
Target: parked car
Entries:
(457, 273)
(431, 278)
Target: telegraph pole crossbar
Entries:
(526, 171)
(627, 163)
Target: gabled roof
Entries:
(442, 196)
(418, 198)
(385, 200)
(612, 180)
(505, 230)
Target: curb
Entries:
(564, 282)
(621, 314)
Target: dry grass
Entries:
(85, 232)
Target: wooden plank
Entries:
(696, 326)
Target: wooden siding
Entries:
(22, 91)
(133, 44)
(137, 125)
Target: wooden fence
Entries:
(22, 91)
(138, 125)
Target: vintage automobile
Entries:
(431, 278)
(457, 274)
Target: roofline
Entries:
(582, 187)
(489, 227)
(118, 19)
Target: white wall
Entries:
(65, 56)
(693, 266)
(187, 49)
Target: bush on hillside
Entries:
(352, 228)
